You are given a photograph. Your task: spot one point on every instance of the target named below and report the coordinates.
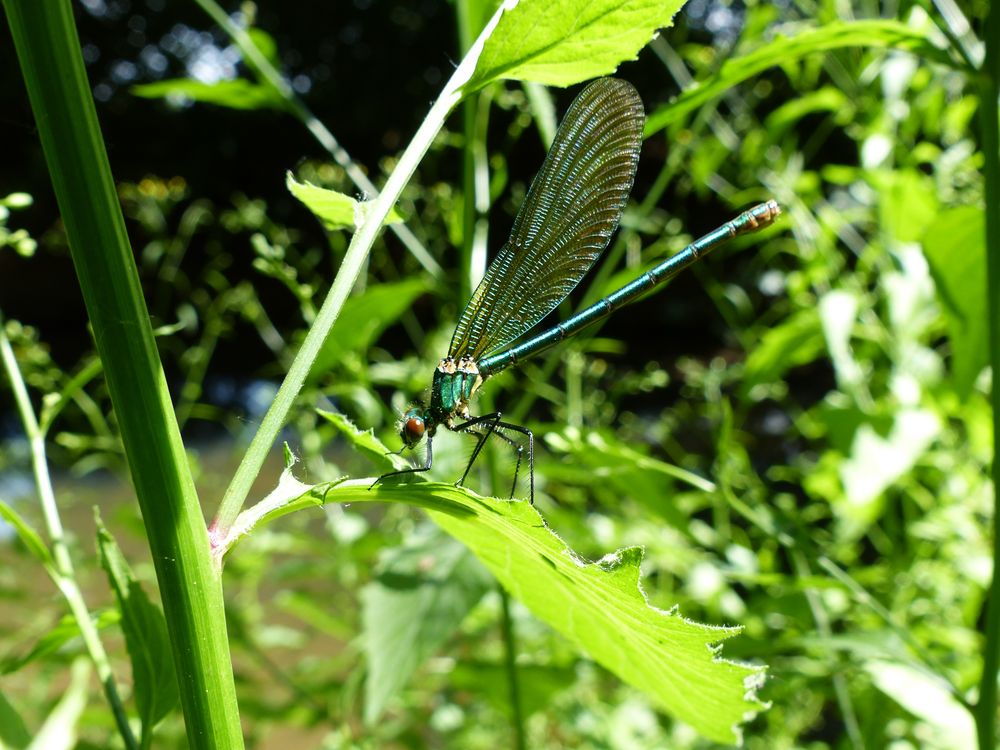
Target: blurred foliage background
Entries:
(821, 386)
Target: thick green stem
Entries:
(986, 708)
(48, 49)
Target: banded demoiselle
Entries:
(568, 216)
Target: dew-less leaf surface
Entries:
(784, 50)
(563, 42)
(421, 593)
(600, 606)
(145, 630)
(235, 94)
(336, 210)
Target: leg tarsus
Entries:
(416, 470)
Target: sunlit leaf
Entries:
(237, 93)
(954, 247)
(784, 50)
(796, 341)
(364, 441)
(59, 730)
(927, 698)
(28, 536)
(599, 606)
(877, 462)
(335, 210)
(562, 42)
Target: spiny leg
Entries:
(531, 454)
(491, 420)
(416, 470)
(518, 448)
(493, 423)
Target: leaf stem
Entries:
(350, 269)
(64, 576)
(513, 682)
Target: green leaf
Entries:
(363, 319)
(145, 637)
(265, 44)
(877, 462)
(784, 50)
(60, 731)
(28, 536)
(562, 42)
(335, 210)
(538, 683)
(602, 458)
(928, 698)
(908, 202)
(421, 593)
(797, 341)
(13, 731)
(826, 99)
(954, 246)
(237, 93)
(287, 497)
(838, 311)
(62, 633)
(364, 441)
(599, 606)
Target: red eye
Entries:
(412, 431)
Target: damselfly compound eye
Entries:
(412, 431)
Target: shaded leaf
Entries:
(61, 634)
(421, 593)
(145, 630)
(362, 320)
(538, 683)
(28, 536)
(13, 731)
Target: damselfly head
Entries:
(412, 426)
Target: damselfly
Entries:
(568, 216)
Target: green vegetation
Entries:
(764, 506)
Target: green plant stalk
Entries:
(509, 655)
(464, 13)
(350, 269)
(989, 115)
(270, 76)
(48, 49)
(64, 575)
